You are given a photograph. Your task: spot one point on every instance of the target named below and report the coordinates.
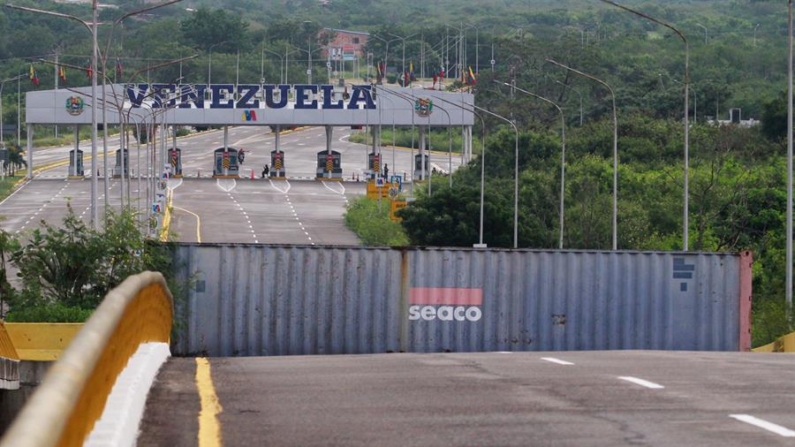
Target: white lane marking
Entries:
(283, 191)
(761, 423)
(641, 382)
(227, 185)
(554, 360)
(173, 184)
(334, 191)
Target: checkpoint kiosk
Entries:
(329, 165)
(418, 166)
(374, 164)
(226, 163)
(76, 163)
(175, 160)
(277, 164)
(117, 168)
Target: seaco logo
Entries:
(445, 304)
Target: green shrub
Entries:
(369, 219)
(51, 313)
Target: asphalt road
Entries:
(299, 210)
(577, 399)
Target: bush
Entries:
(369, 219)
(51, 313)
(67, 270)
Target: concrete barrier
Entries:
(785, 343)
(9, 361)
(66, 405)
(41, 342)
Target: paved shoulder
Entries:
(170, 418)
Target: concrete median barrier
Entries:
(72, 396)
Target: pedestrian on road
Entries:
(386, 172)
(265, 171)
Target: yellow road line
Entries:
(209, 428)
(198, 223)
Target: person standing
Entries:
(386, 172)
(265, 171)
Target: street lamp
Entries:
(578, 94)
(615, 147)
(92, 27)
(2, 83)
(686, 180)
(706, 39)
(386, 53)
(788, 273)
(480, 243)
(210, 62)
(405, 81)
(262, 65)
(562, 153)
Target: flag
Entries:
(89, 70)
(62, 74)
(118, 68)
(472, 78)
(34, 76)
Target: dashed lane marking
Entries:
(763, 424)
(641, 382)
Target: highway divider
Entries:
(72, 396)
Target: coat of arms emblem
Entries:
(423, 106)
(74, 105)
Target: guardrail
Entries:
(72, 396)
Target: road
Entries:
(577, 399)
(299, 210)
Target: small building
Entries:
(345, 45)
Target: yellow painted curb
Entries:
(41, 342)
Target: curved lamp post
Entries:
(686, 205)
(562, 154)
(615, 147)
(480, 243)
(578, 94)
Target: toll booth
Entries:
(277, 164)
(76, 164)
(175, 160)
(329, 165)
(226, 163)
(117, 168)
(373, 164)
(418, 166)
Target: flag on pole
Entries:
(118, 68)
(89, 70)
(62, 74)
(472, 78)
(34, 76)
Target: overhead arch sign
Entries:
(252, 104)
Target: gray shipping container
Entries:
(259, 300)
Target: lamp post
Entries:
(578, 94)
(92, 27)
(706, 36)
(788, 273)
(686, 179)
(386, 52)
(210, 62)
(480, 243)
(405, 81)
(262, 65)
(562, 154)
(615, 147)
(2, 83)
